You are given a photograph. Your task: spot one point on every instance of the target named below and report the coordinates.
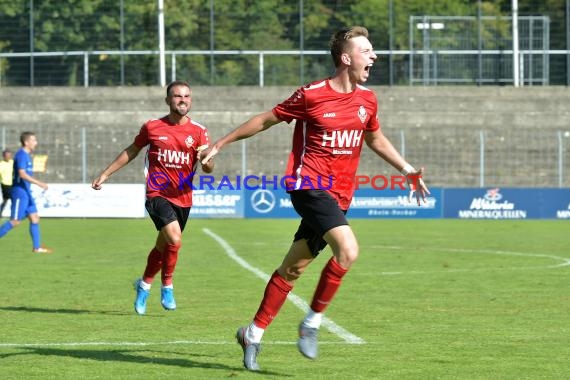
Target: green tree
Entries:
(95, 25)
(252, 25)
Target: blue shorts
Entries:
(23, 204)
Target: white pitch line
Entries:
(565, 261)
(296, 300)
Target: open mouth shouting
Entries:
(367, 70)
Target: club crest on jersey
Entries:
(362, 114)
(189, 141)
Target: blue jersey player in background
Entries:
(23, 203)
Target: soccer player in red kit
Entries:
(333, 118)
(175, 145)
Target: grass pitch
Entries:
(446, 299)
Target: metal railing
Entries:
(440, 44)
(444, 67)
(453, 157)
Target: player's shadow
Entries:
(31, 309)
(130, 356)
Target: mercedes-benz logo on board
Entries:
(262, 201)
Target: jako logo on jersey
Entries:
(329, 114)
(163, 138)
(362, 114)
(343, 139)
(173, 156)
(189, 141)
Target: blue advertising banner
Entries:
(367, 203)
(217, 204)
(393, 204)
(268, 203)
(462, 203)
(555, 204)
(506, 203)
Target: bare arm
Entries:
(23, 175)
(253, 126)
(384, 148)
(122, 159)
(207, 167)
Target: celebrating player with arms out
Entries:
(175, 144)
(333, 117)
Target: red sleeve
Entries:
(141, 140)
(204, 138)
(373, 124)
(292, 108)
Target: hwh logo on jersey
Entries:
(343, 139)
(173, 156)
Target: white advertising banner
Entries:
(80, 200)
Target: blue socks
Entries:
(35, 234)
(5, 228)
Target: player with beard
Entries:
(175, 144)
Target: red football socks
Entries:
(153, 265)
(331, 278)
(278, 288)
(169, 260)
(165, 261)
(274, 297)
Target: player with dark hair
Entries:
(23, 202)
(333, 118)
(175, 144)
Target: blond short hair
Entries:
(340, 39)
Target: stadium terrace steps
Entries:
(442, 127)
(544, 107)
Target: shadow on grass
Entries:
(30, 309)
(130, 356)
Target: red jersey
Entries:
(328, 137)
(171, 158)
